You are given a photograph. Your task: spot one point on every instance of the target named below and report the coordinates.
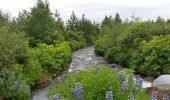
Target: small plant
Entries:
(154, 95)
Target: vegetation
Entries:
(95, 83)
(142, 46)
(37, 46)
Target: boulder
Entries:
(161, 80)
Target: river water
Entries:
(82, 59)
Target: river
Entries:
(82, 59)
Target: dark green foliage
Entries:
(12, 47)
(95, 83)
(123, 44)
(59, 22)
(12, 85)
(90, 29)
(40, 25)
(153, 57)
(76, 39)
(72, 23)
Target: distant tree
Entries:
(4, 18)
(89, 28)
(59, 21)
(117, 19)
(107, 21)
(72, 23)
(160, 20)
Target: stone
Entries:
(161, 80)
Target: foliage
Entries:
(153, 57)
(12, 47)
(101, 47)
(95, 83)
(12, 85)
(40, 24)
(76, 39)
(54, 58)
(32, 69)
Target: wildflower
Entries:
(56, 97)
(97, 70)
(125, 87)
(130, 97)
(109, 95)
(165, 97)
(139, 82)
(78, 91)
(122, 77)
(154, 95)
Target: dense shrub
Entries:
(102, 45)
(13, 86)
(127, 42)
(75, 45)
(116, 55)
(54, 58)
(13, 47)
(153, 57)
(32, 68)
(75, 39)
(95, 83)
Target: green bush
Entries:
(13, 47)
(54, 58)
(116, 55)
(153, 57)
(102, 45)
(32, 68)
(95, 83)
(76, 39)
(75, 45)
(13, 86)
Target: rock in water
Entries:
(161, 80)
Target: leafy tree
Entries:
(40, 26)
(12, 47)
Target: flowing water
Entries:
(82, 59)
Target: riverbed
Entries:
(83, 59)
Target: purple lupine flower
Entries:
(97, 70)
(139, 82)
(131, 97)
(125, 87)
(165, 97)
(122, 77)
(15, 85)
(56, 97)
(78, 91)
(109, 95)
(154, 95)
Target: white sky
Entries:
(96, 9)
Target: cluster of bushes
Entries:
(36, 46)
(22, 66)
(76, 40)
(143, 46)
(99, 83)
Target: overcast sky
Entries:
(96, 9)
